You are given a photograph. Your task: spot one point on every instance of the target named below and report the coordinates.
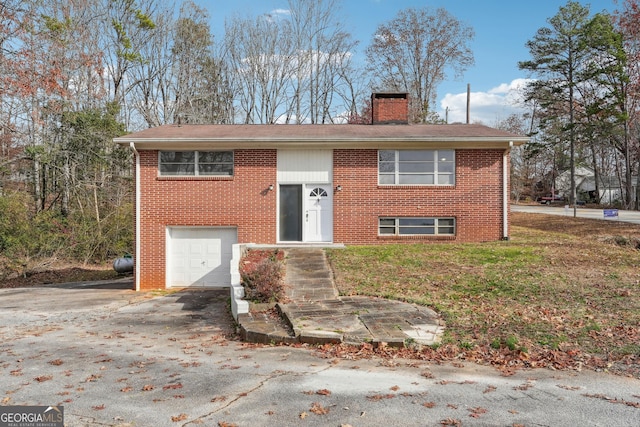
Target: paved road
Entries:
(113, 357)
(624, 216)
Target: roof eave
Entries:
(315, 143)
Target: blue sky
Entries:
(502, 27)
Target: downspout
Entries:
(505, 192)
(136, 259)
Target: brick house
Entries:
(202, 188)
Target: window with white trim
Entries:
(414, 226)
(196, 163)
(416, 167)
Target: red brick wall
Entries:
(475, 201)
(242, 201)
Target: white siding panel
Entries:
(296, 166)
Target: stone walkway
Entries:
(316, 314)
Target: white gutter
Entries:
(505, 192)
(136, 260)
(314, 143)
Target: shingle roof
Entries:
(354, 136)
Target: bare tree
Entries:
(151, 97)
(11, 15)
(127, 26)
(414, 51)
(260, 55)
(294, 67)
(59, 121)
(324, 68)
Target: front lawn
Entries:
(559, 285)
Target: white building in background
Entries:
(610, 187)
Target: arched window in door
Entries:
(318, 193)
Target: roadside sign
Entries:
(610, 213)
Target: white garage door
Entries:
(199, 256)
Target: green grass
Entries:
(538, 290)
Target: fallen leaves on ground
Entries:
(525, 386)
(477, 412)
(172, 386)
(503, 359)
(614, 400)
(566, 387)
(180, 417)
(375, 397)
(318, 409)
(322, 392)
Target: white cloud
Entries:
(279, 13)
(486, 107)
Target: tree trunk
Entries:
(66, 186)
(628, 185)
(596, 173)
(636, 205)
(37, 185)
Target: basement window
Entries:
(196, 163)
(416, 167)
(414, 226)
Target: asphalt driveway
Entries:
(113, 357)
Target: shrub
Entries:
(28, 238)
(263, 276)
(25, 236)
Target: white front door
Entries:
(199, 256)
(318, 219)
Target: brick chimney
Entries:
(389, 108)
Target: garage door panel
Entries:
(195, 247)
(200, 256)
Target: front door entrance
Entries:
(318, 213)
(306, 213)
